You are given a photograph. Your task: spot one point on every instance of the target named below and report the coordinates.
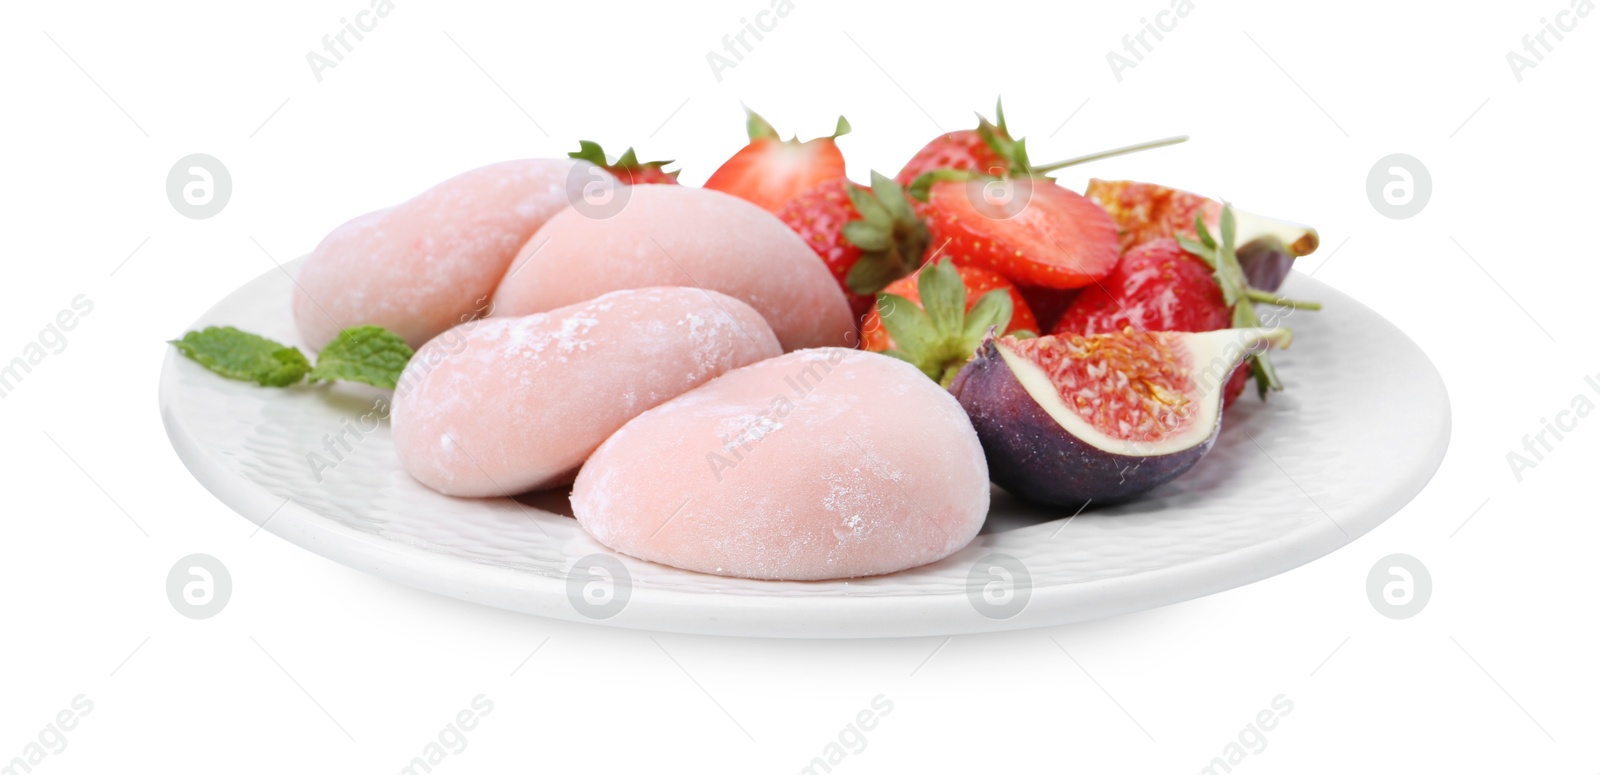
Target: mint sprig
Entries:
(367, 354)
(244, 356)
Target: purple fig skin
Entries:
(1266, 264)
(1033, 457)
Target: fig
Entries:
(1268, 248)
(1146, 211)
(1066, 420)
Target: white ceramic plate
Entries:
(1362, 427)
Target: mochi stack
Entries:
(681, 360)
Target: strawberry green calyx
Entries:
(1223, 259)
(998, 138)
(1014, 152)
(591, 152)
(919, 187)
(759, 128)
(891, 236)
(940, 336)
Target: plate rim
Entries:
(665, 609)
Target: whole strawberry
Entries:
(991, 150)
(937, 318)
(1157, 286)
(1146, 211)
(988, 205)
(868, 237)
(1048, 303)
(627, 168)
(988, 149)
(1182, 285)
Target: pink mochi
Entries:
(677, 235)
(420, 267)
(501, 406)
(821, 464)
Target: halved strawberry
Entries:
(868, 237)
(770, 171)
(937, 318)
(627, 168)
(1030, 230)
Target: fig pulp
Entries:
(1067, 420)
(1146, 211)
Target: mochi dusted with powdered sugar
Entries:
(506, 405)
(675, 235)
(420, 267)
(820, 464)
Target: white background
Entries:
(1289, 107)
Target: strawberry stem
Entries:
(1127, 149)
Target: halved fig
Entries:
(1147, 211)
(1066, 420)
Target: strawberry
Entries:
(1241, 299)
(963, 149)
(627, 168)
(1048, 304)
(770, 171)
(1157, 286)
(1181, 285)
(937, 318)
(1015, 220)
(988, 149)
(868, 237)
(1030, 230)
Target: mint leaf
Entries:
(238, 355)
(369, 354)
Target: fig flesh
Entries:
(1147, 211)
(1068, 420)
